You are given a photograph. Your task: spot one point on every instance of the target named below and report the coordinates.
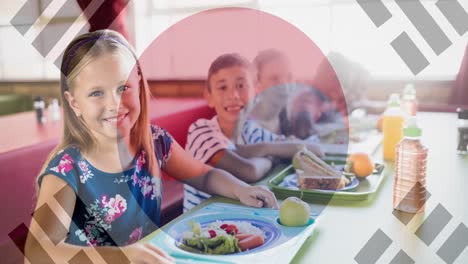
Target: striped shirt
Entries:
(253, 132)
(204, 139)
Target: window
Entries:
(19, 59)
(334, 25)
(363, 42)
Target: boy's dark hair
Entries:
(224, 61)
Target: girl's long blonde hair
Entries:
(79, 53)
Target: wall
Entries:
(435, 92)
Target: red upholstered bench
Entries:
(177, 124)
(21, 161)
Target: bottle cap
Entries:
(409, 90)
(462, 113)
(394, 100)
(411, 129)
(409, 93)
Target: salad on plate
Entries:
(221, 237)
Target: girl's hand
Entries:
(146, 254)
(256, 196)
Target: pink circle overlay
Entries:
(192, 44)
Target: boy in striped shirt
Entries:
(229, 89)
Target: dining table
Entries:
(371, 231)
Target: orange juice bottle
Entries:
(392, 127)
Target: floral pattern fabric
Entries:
(112, 209)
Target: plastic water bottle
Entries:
(409, 104)
(409, 189)
(392, 126)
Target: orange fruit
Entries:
(360, 164)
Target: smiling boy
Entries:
(229, 89)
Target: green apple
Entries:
(294, 212)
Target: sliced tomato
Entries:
(230, 229)
(235, 229)
(212, 233)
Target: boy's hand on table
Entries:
(256, 196)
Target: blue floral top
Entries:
(112, 209)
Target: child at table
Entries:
(229, 89)
(276, 89)
(273, 88)
(101, 187)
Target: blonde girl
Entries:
(100, 190)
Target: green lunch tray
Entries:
(362, 191)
